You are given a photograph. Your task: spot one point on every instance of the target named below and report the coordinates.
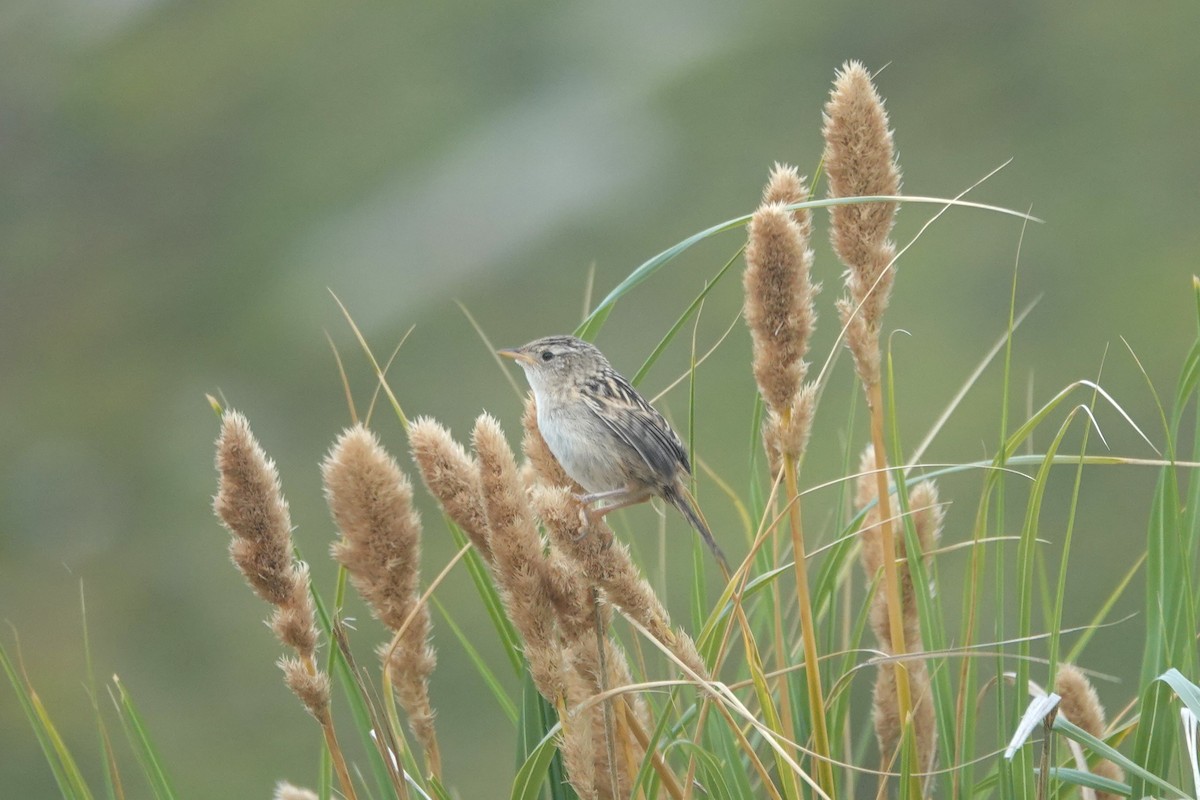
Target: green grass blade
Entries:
(62, 764)
(726, 777)
(143, 745)
(357, 701)
(929, 612)
(489, 678)
(1077, 777)
(595, 320)
(1171, 551)
(537, 724)
(491, 601)
(646, 776)
(112, 775)
(1184, 689)
(1157, 740)
(439, 791)
(1144, 782)
(683, 318)
(532, 774)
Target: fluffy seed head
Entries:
(787, 186)
(250, 504)
(453, 478)
(286, 791)
(788, 434)
(294, 621)
(859, 160)
(606, 563)
(519, 563)
(371, 502)
(779, 301)
(311, 687)
(1081, 705)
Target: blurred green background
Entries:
(180, 183)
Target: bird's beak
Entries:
(517, 355)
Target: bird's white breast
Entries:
(579, 440)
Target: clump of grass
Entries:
(755, 701)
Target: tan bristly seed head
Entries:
(606, 563)
(371, 502)
(1081, 705)
(517, 556)
(859, 161)
(452, 477)
(250, 504)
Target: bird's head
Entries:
(554, 362)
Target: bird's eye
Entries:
(547, 355)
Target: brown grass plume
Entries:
(371, 502)
(452, 477)
(859, 161)
(250, 504)
(1081, 705)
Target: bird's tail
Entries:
(682, 499)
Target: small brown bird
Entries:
(605, 435)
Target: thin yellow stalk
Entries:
(782, 653)
(669, 781)
(610, 733)
(812, 672)
(331, 742)
(891, 577)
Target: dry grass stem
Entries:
(927, 518)
(780, 313)
(452, 477)
(1081, 705)
(371, 502)
(859, 160)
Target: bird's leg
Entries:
(623, 497)
(588, 499)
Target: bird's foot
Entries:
(585, 520)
